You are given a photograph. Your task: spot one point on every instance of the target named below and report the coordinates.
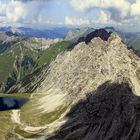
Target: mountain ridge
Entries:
(106, 71)
(73, 75)
(115, 39)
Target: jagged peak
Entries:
(114, 38)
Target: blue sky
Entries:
(123, 14)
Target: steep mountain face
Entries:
(6, 41)
(24, 57)
(15, 63)
(74, 100)
(98, 61)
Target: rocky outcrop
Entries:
(102, 33)
(90, 65)
(75, 34)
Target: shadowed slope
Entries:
(103, 34)
(112, 112)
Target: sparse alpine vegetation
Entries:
(24, 57)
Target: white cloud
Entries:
(15, 11)
(76, 21)
(58, 12)
(2, 8)
(120, 6)
(113, 12)
(104, 18)
(135, 8)
(24, 12)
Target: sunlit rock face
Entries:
(89, 65)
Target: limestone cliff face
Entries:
(87, 66)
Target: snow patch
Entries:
(52, 100)
(15, 117)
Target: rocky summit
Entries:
(88, 93)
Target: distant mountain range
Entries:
(59, 32)
(73, 34)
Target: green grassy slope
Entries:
(49, 54)
(134, 42)
(44, 59)
(16, 63)
(20, 61)
(6, 125)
